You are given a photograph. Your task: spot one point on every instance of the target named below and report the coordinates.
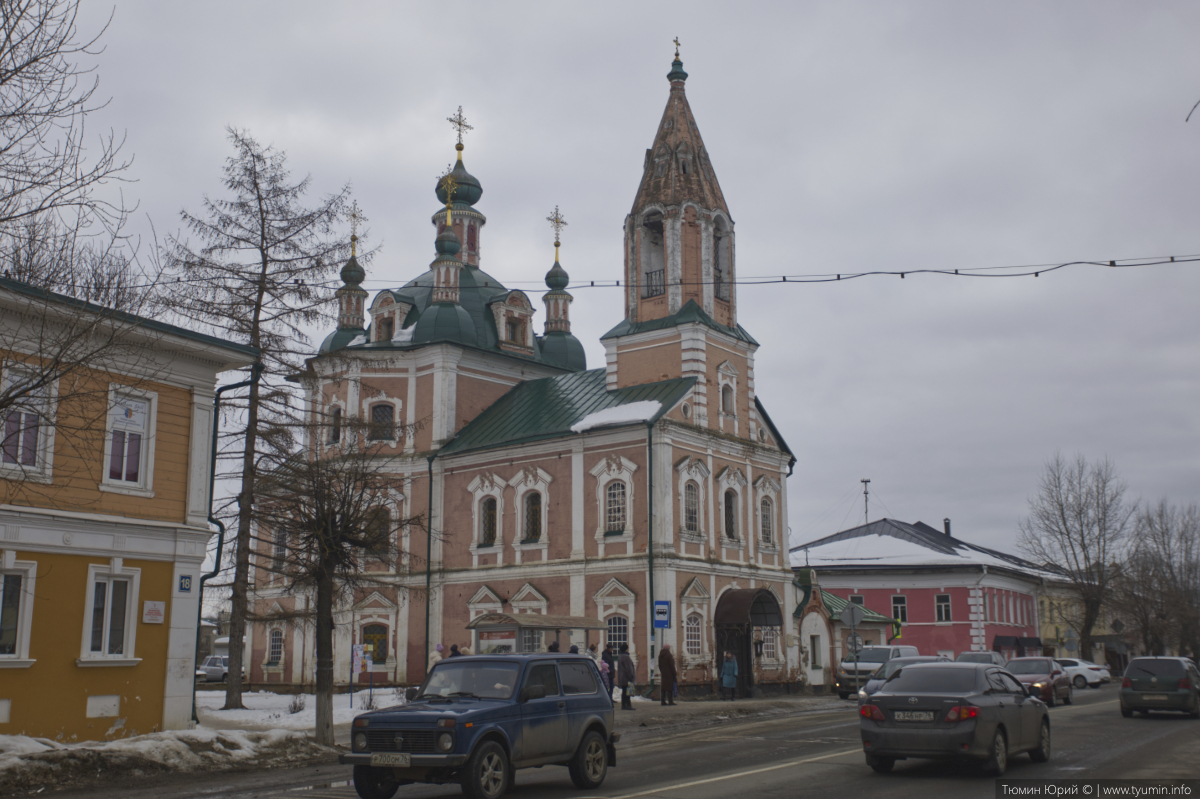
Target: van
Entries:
(850, 678)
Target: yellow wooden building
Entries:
(105, 446)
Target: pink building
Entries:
(949, 595)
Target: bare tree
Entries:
(258, 278)
(1078, 524)
(1166, 558)
(329, 519)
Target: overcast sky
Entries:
(846, 136)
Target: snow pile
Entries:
(354, 342)
(268, 711)
(31, 764)
(404, 335)
(640, 411)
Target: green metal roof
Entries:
(835, 605)
(762, 412)
(689, 313)
(546, 408)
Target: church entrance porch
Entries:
(738, 613)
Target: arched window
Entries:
(721, 259)
(691, 507)
(383, 417)
(691, 634)
(731, 514)
(533, 516)
(387, 328)
(335, 424)
(614, 508)
(618, 632)
(727, 400)
(471, 240)
(653, 262)
(487, 522)
(375, 639)
(767, 520)
(275, 648)
(379, 531)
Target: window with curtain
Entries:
(614, 508)
(487, 522)
(127, 422)
(691, 507)
(533, 516)
(110, 615)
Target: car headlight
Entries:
(445, 742)
(360, 742)
(1039, 685)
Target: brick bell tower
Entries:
(680, 296)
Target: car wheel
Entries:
(1042, 753)
(881, 764)
(487, 772)
(1126, 712)
(375, 783)
(590, 763)
(1053, 700)
(997, 761)
(224, 678)
(1070, 697)
(1080, 681)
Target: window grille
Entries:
(487, 522)
(382, 422)
(533, 516)
(770, 641)
(731, 515)
(691, 507)
(375, 639)
(767, 522)
(691, 634)
(614, 507)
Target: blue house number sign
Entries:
(185, 583)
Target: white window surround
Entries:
(525, 481)
(529, 600)
(694, 470)
(694, 599)
(43, 469)
(485, 601)
(382, 398)
(114, 568)
(731, 478)
(276, 667)
(27, 571)
(767, 487)
(144, 487)
(487, 485)
(727, 375)
(327, 423)
(615, 599)
(614, 467)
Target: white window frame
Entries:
(529, 480)
(27, 571)
(111, 570)
(938, 604)
(481, 487)
(144, 487)
(732, 479)
(42, 470)
(903, 603)
(688, 627)
(271, 644)
(768, 488)
(611, 468)
(693, 470)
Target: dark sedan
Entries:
(953, 710)
(1046, 675)
(891, 667)
(1160, 683)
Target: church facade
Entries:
(546, 487)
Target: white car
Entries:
(1082, 673)
(1105, 675)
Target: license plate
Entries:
(401, 760)
(913, 715)
(1154, 697)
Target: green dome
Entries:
(352, 273)
(446, 321)
(469, 191)
(557, 277)
(446, 243)
(676, 72)
(563, 350)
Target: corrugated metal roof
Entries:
(690, 313)
(546, 408)
(835, 605)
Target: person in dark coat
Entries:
(454, 653)
(625, 677)
(666, 670)
(729, 675)
(574, 650)
(553, 647)
(607, 657)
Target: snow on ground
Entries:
(268, 711)
(639, 411)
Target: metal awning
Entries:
(756, 606)
(1005, 640)
(1028, 642)
(536, 621)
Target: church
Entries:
(550, 488)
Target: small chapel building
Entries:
(549, 487)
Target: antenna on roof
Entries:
(866, 491)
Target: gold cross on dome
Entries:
(459, 123)
(356, 218)
(676, 49)
(557, 222)
(449, 183)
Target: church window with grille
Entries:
(618, 632)
(691, 507)
(731, 514)
(487, 522)
(375, 639)
(767, 522)
(770, 643)
(691, 634)
(383, 418)
(614, 508)
(533, 516)
(275, 648)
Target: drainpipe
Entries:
(255, 372)
(428, 555)
(650, 529)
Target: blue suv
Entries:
(477, 718)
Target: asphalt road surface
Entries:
(814, 751)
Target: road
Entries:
(814, 751)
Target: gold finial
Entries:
(459, 123)
(676, 52)
(450, 185)
(557, 222)
(356, 217)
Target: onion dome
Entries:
(352, 273)
(557, 277)
(447, 244)
(469, 190)
(676, 73)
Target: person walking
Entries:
(611, 671)
(729, 675)
(574, 650)
(625, 677)
(593, 654)
(435, 657)
(606, 676)
(666, 670)
(553, 647)
(454, 653)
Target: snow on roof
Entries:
(357, 340)
(640, 411)
(404, 335)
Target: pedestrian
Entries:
(466, 650)
(574, 650)
(606, 676)
(729, 674)
(435, 656)
(608, 659)
(666, 670)
(625, 677)
(553, 647)
(454, 653)
(592, 653)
